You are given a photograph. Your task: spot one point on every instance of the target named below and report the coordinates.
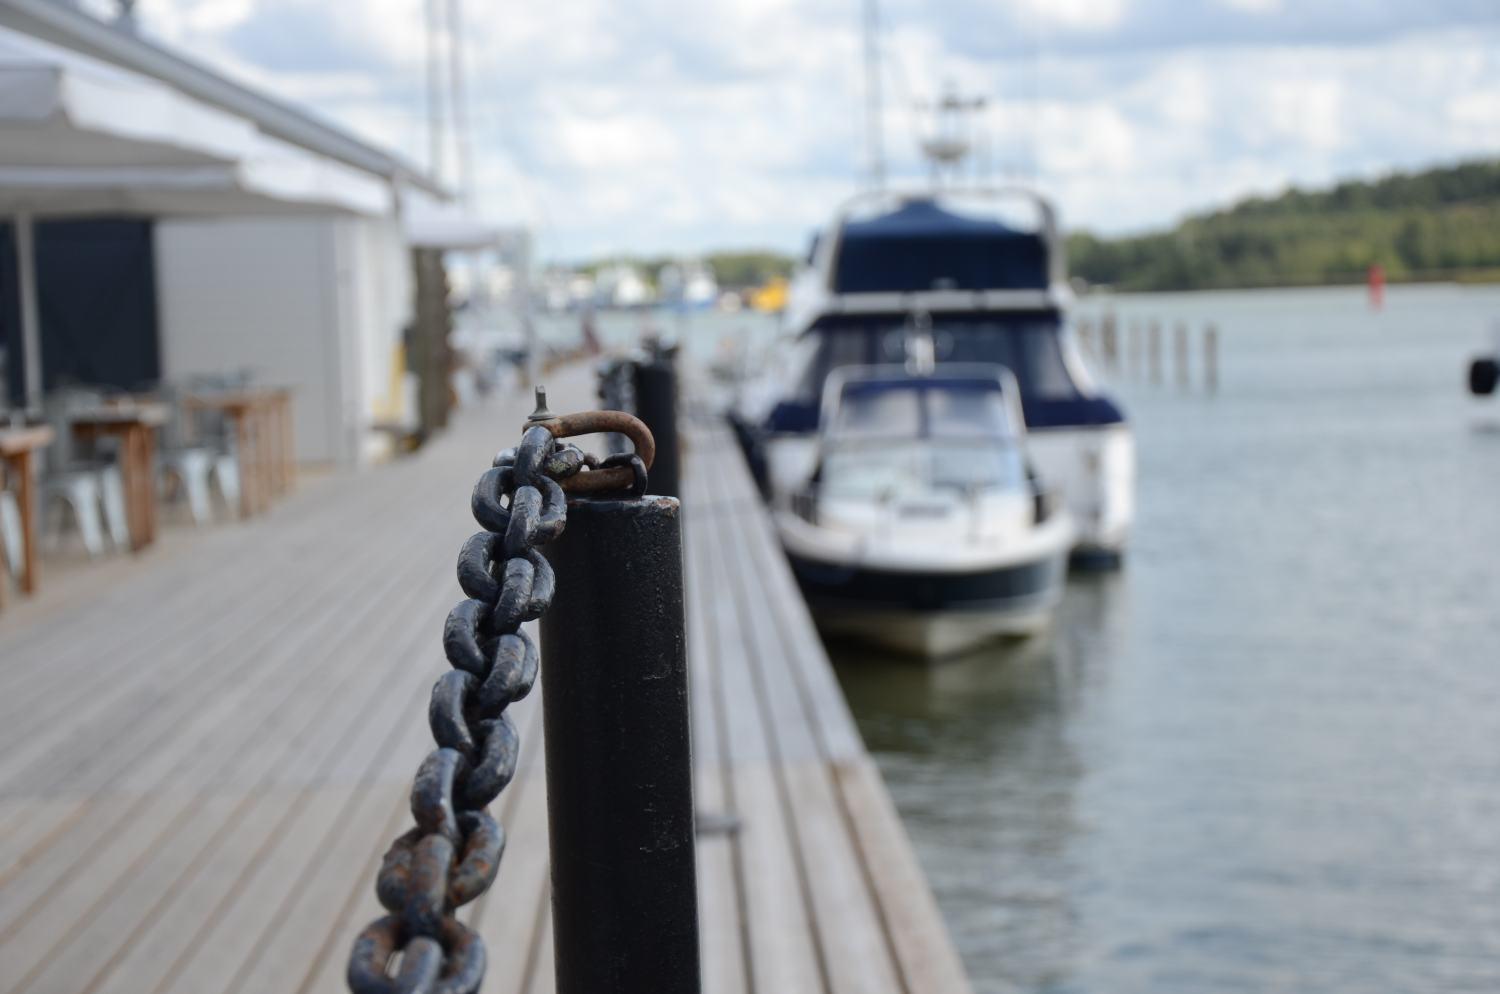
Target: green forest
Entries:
(1432, 225)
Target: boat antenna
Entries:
(952, 139)
(874, 99)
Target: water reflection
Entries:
(981, 755)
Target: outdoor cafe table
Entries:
(134, 423)
(17, 447)
(262, 418)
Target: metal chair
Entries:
(198, 460)
(10, 532)
(83, 484)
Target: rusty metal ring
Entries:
(596, 481)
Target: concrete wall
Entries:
(311, 303)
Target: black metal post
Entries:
(656, 404)
(619, 769)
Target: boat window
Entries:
(1030, 346)
(868, 471)
(877, 414)
(1033, 352)
(967, 413)
(835, 351)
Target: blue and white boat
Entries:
(981, 277)
(923, 527)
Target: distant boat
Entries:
(770, 298)
(687, 286)
(621, 286)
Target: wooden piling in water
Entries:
(1180, 354)
(1109, 342)
(1211, 358)
(1133, 348)
(1153, 351)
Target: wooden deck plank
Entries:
(98, 838)
(128, 645)
(872, 945)
(925, 951)
(145, 888)
(510, 917)
(848, 929)
(783, 955)
(720, 925)
(325, 971)
(292, 851)
(92, 941)
(542, 977)
(178, 708)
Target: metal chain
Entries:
(452, 855)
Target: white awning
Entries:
(79, 136)
(275, 178)
(59, 108)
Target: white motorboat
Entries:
(984, 270)
(922, 527)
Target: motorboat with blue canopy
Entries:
(920, 246)
(971, 277)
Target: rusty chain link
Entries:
(452, 854)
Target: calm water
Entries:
(1265, 755)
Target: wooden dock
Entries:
(204, 752)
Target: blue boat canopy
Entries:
(921, 247)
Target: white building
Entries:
(311, 291)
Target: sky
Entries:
(685, 125)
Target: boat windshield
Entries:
(940, 408)
(898, 437)
(885, 470)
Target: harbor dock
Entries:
(205, 750)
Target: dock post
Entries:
(1153, 351)
(1109, 342)
(1180, 351)
(656, 404)
(1211, 358)
(619, 771)
(1133, 348)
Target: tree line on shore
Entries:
(1437, 224)
(732, 270)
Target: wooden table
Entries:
(264, 446)
(17, 448)
(134, 423)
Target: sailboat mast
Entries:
(458, 109)
(874, 100)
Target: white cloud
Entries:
(1088, 15)
(1254, 6)
(668, 124)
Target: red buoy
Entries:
(1377, 286)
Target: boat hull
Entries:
(932, 613)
